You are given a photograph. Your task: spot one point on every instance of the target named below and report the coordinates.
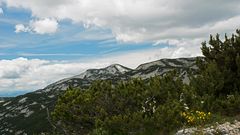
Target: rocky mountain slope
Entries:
(2, 99)
(28, 114)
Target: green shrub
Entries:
(134, 107)
(159, 105)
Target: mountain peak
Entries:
(30, 105)
(103, 73)
(117, 68)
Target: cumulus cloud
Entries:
(32, 74)
(141, 20)
(40, 26)
(44, 26)
(181, 24)
(21, 28)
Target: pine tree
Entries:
(220, 67)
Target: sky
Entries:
(42, 41)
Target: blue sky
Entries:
(71, 41)
(42, 41)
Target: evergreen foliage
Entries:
(218, 81)
(134, 107)
(221, 65)
(157, 105)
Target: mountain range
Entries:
(29, 113)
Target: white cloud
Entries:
(32, 74)
(44, 26)
(140, 20)
(21, 28)
(133, 59)
(1, 11)
(40, 26)
(180, 24)
(181, 52)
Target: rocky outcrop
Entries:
(226, 128)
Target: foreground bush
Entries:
(218, 81)
(133, 107)
(159, 105)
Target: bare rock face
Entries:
(28, 113)
(226, 128)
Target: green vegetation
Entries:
(196, 117)
(159, 105)
(128, 107)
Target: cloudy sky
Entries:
(42, 41)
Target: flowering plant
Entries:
(195, 117)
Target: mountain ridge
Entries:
(17, 114)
